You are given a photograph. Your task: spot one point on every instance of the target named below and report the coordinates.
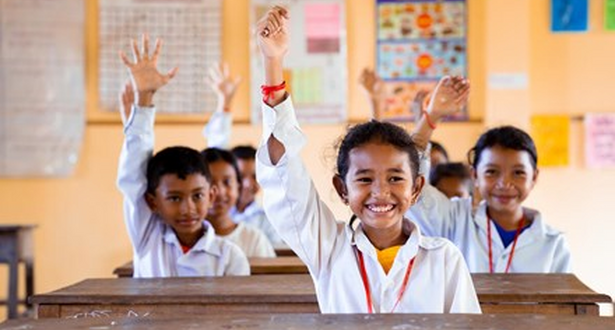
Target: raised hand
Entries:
(371, 83)
(220, 81)
(144, 74)
(419, 103)
(272, 33)
(127, 99)
(450, 95)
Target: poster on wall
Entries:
(551, 134)
(315, 66)
(418, 42)
(600, 140)
(569, 15)
(191, 31)
(609, 15)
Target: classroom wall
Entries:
(81, 233)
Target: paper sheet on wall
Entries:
(191, 33)
(569, 15)
(600, 140)
(551, 134)
(315, 67)
(42, 97)
(419, 41)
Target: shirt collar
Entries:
(204, 244)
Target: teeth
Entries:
(380, 208)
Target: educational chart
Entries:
(569, 15)
(42, 97)
(551, 134)
(419, 41)
(609, 15)
(191, 32)
(315, 66)
(600, 140)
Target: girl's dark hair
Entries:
(435, 146)
(508, 137)
(376, 131)
(212, 155)
(181, 161)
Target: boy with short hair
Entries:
(166, 197)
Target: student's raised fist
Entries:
(450, 96)
(144, 74)
(272, 33)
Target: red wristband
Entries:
(429, 122)
(268, 91)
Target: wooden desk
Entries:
(16, 245)
(258, 266)
(497, 293)
(325, 322)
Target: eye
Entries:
(199, 196)
(363, 179)
(227, 182)
(490, 172)
(174, 199)
(520, 173)
(396, 179)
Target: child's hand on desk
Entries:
(220, 81)
(144, 75)
(450, 96)
(127, 99)
(272, 33)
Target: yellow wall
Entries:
(81, 233)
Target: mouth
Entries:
(187, 222)
(504, 199)
(381, 208)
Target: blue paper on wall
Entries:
(569, 15)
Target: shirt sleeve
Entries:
(217, 132)
(132, 182)
(291, 201)
(562, 259)
(238, 264)
(461, 294)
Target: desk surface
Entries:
(258, 266)
(491, 288)
(330, 321)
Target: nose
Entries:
(505, 181)
(188, 206)
(380, 188)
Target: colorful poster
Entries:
(569, 15)
(609, 15)
(551, 134)
(600, 140)
(315, 69)
(419, 41)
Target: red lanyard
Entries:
(368, 294)
(512, 251)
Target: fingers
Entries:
(124, 59)
(135, 51)
(170, 74)
(274, 21)
(157, 49)
(145, 41)
(237, 81)
(214, 73)
(223, 68)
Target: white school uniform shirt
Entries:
(540, 248)
(156, 249)
(217, 132)
(439, 282)
(255, 216)
(252, 241)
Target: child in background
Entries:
(226, 179)
(501, 235)
(217, 132)
(247, 209)
(452, 179)
(380, 262)
(166, 197)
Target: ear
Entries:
(150, 199)
(213, 192)
(419, 183)
(535, 177)
(340, 188)
(474, 176)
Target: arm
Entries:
(139, 137)
(218, 130)
(374, 88)
(290, 199)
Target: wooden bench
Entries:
(160, 297)
(258, 266)
(324, 322)
(16, 246)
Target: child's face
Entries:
(249, 186)
(454, 187)
(182, 204)
(379, 185)
(505, 177)
(437, 158)
(224, 179)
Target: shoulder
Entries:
(539, 222)
(434, 243)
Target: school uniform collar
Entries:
(205, 244)
(537, 230)
(250, 210)
(415, 240)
